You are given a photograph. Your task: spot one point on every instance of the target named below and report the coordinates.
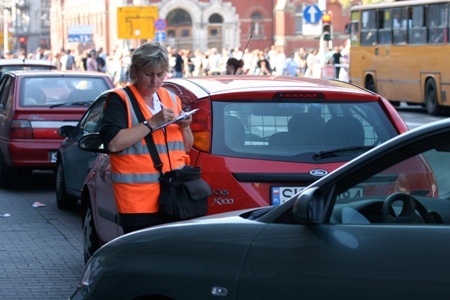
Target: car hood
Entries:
(178, 250)
(203, 228)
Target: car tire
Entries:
(91, 241)
(431, 102)
(6, 175)
(63, 200)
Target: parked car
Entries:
(33, 106)
(254, 138)
(72, 164)
(24, 64)
(387, 241)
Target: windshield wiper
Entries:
(341, 152)
(77, 103)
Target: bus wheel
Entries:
(431, 103)
(370, 84)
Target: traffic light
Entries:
(326, 27)
(23, 42)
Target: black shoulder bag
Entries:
(184, 194)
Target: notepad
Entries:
(183, 115)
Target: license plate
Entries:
(351, 193)
(281, 194)
(52, 156)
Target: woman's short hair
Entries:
(151, 54)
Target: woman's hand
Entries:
(162, 117)
(184, 123)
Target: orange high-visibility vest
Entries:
(133, 175)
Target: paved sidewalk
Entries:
(40, 247)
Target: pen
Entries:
(182, 113)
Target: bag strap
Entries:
(148, 138)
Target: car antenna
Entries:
(242, 56)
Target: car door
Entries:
(79, 161)
(339, 261)
(6, 106)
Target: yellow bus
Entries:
(401, 51)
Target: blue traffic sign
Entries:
(160, 36)
(160, 24)
(80, 38)
(312, 14)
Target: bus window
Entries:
(437, 23)
(385, 26)
(417, 32)
(354, 32)
(368, 28)
(400, 24)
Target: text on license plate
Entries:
(52, 155)
(280, 194)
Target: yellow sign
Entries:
(136, 22)
(10, 40)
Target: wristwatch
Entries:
(148, 125)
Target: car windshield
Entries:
(309, 132)
(60, 91)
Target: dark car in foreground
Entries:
(34, 104)
(254, 138)
(390, 240)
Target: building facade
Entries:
(25, 24)
(190, 24)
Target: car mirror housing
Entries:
(92, 143)
(309, 207)
(66, 130)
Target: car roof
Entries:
(210, 85)
(43, 73)
(19, 62)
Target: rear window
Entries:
(288, 131)
(50, 91)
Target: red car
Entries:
(259, 140)
(33, 106)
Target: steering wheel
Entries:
(408, 213)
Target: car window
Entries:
(50, 91)
(5, 93)
(295, 131)
(91, 121)
(371, 200)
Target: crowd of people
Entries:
(187, 63)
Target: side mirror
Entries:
(92, 143)
(66, 130)
(309, 207)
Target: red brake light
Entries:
(299, 95)
(20, 129)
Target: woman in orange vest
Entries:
(134, 177)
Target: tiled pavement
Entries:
(40, 247)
